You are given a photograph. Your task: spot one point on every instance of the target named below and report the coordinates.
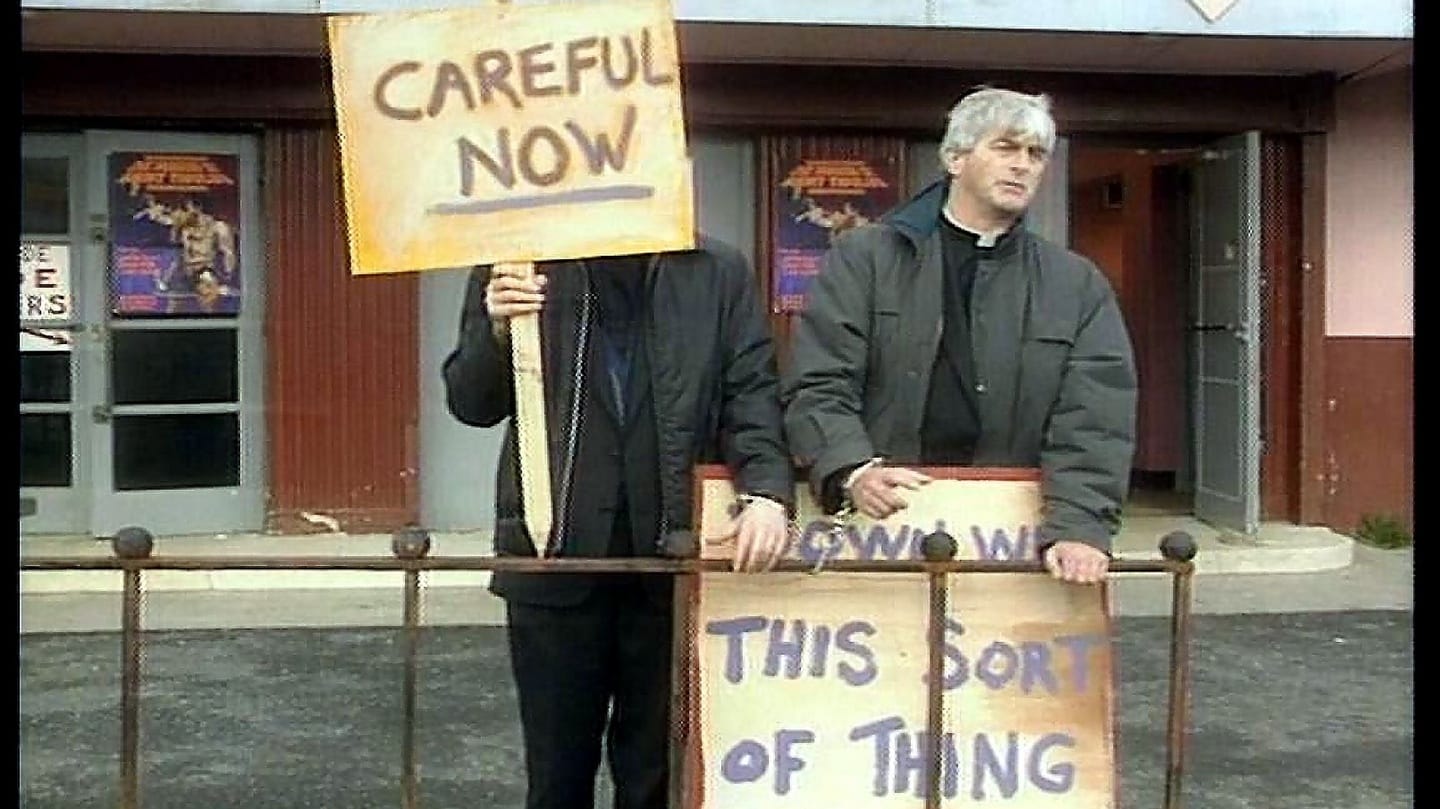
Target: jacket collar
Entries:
(917, 218)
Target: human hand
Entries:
(509, 294)
(760, 531)
(874, 490)
(1077, 562)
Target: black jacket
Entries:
(1056, 386)
(713, 383)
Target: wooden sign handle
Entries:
(530, 420)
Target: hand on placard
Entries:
(1077, 562)
(876, 491)
(761, 533)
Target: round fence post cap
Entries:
(132, 542)
(939, 547)
(411, 543)
(1178, 546)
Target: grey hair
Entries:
(991, 109)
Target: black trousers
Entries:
(593, 671)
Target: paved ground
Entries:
(1290, 710)
(1302, 696)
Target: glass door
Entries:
(54, 466)
(141, 334)
(177, 418)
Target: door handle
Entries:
(1241, 333)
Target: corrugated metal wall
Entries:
(342, 353)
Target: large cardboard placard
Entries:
(810, 690)
(511, 133)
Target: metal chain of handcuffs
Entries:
(837, 521)
(836, 534)
(841, 518)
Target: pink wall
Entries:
(1370, 210)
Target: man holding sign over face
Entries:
(544, 144)
(949, 335)
(654, 363)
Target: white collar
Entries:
(981, 239)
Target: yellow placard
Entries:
(811, 690)
(511, 133)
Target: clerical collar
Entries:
(981, 239)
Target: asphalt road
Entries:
(1297, 710)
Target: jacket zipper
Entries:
(572, 432)
(652, 273)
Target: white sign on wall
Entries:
(44, 295)
(1213, 9)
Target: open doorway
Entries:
(1198, 237)
(1128, 214)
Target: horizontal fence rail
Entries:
(528, 565)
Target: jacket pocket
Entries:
(882, 350)
(1045, 357)
(1056, 342)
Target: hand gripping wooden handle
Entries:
(530, 420)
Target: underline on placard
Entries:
(602, 194)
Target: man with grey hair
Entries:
(949, 335)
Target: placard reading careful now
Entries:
(511, 133)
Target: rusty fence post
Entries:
(936, 547)
(1178, 546)
(411, 544)
(131, 543)
(681, 545)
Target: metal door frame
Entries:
(66, 510)
(239, 508)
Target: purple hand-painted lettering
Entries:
(1079, 647)
(845, 642)
(787, 763)
(1005, 774)
(790, 651)
(734, 630)
(1035, 665)
(1059, 777)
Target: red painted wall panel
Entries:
(343, 398)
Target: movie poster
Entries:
(174, 234)
(822, 189)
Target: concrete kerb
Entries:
(1275, 548)
(264, 545)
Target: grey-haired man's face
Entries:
(1001, 174)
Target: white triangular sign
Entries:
(1213, 9)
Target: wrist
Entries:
(761, 501)
(857, 472)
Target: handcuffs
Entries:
(837, 521)
(842, 516)
(743, 501)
